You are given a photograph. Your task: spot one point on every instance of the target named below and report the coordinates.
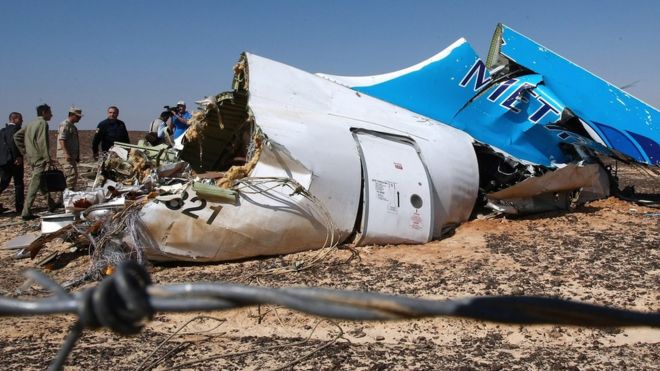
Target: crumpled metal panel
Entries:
(574, 183)
(267, 219)
(619, 120)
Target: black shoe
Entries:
(29, 217)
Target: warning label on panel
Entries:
(416, 221)
(386, 191)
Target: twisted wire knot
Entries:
(120, 302)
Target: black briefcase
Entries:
(54, 180)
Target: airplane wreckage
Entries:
(290, 161)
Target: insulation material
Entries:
(197, 125)
(217, 134)
(238, 172)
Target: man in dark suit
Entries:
(11, 161)
(109, 131)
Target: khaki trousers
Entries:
(70, 170)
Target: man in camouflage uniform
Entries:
(68, 147)
(32, 140)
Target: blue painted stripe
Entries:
(650, 146)
(620, 141)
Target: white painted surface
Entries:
(267, 220)
(397, 195)
(312, 118)
(308, 122)
(377, 79)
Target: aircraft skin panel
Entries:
(619, 140)
(379, 79)
(553, 190)
(294, 107)
(587, 95)
(457, 90)
(431, 88)
(201, 230)
(503, 121)
(568, 178)
(649, 146)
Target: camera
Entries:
(173, 110)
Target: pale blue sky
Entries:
(141, 55)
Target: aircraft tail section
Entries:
(608, 114)
(525, 101)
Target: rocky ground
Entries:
(606, 252)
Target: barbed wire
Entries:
(125, 301)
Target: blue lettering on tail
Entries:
(510, 102)
(478, 70)
(501, 89)
(542, 111)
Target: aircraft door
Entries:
(397, 203)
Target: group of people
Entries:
(170, 125)
(30, 143)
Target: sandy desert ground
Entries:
(605, 252)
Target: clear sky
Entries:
(141, 55)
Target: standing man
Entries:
(68, 147)
(159, 130)
(109, 131)
(180, 119)
(11, 161)
(32, 141)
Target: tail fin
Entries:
(610, 115)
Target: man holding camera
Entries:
(180, 119)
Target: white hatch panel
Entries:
(397, 204)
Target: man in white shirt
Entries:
(161, 130)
